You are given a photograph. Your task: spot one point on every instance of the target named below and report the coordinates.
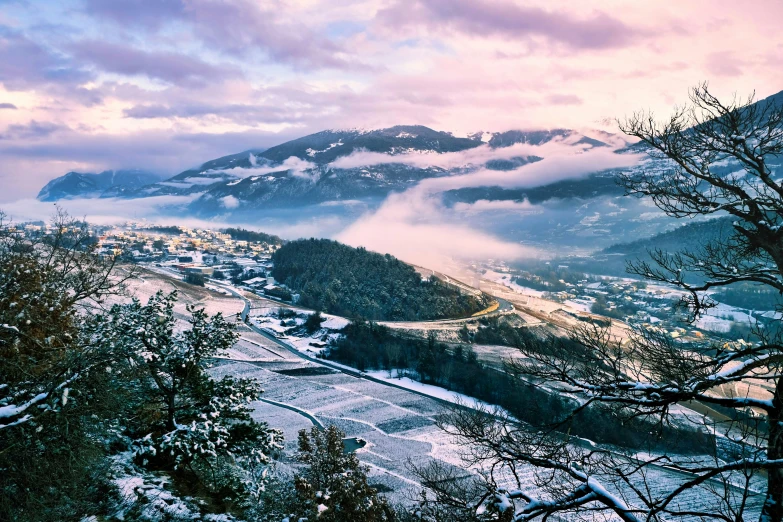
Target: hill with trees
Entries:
(241, 234)
(694, 233)
(354, 282)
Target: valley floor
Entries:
(398, 424)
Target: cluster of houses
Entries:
(649, 306)
(144, 243)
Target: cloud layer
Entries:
(168, 84)
(415, 226)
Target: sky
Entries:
(165, 85)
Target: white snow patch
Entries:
(505, 280)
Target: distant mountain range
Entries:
(104, 184)
(307, 170)
(343, 174)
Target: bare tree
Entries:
(715, 158)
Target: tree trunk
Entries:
(171, 406)
(773, 505)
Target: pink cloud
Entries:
(238, 74)
(724, 64)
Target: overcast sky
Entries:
(167, 84)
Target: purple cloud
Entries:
(249, 114)
(8, 106)
(238, 28)
(145, 13)
(242, 26)
(168, 66)
(26, 64)
(600, 31)
(31, 131)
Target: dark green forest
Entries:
(356, 283)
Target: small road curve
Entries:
(303, 413)
(246, 310)
(504, 307)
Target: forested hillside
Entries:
(353, 282)
(690, 235)
(240, 234)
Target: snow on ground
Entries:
(429, 389)
(275, 324)
(315, 344)
(218, 289)
(254, 347)
(148, 494)
(381, 415)
(334, 322)
(312, 344)
(713, 324)
(582, 305)
(505, 280)
(151, 282)
(663, 291)
(290, 422)
(721, 317)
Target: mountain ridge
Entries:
(302, 171)
(114, 182)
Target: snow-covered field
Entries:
(432, 391)
(398, 424)
(149, 282)
(583, 305)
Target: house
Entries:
(255, 282)
(203, 270)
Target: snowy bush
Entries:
(188, 419)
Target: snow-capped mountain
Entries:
(329, 166)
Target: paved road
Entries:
(504, 307)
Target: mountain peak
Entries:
(88, 184)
